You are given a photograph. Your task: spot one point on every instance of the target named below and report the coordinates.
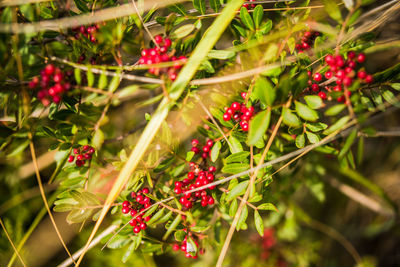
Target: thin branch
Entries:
(144, 26)
(12, 243)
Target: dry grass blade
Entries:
(11, 242)
(43, 194)
(246, 195)
(200, 52)
(20, 2)
(95, 241)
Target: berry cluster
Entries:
(343, 72)
(139, 203)
(239, 112)
(206, 148)
(196, 178)
(184, 247)
(247, 6)
(307, 41)
(160, 54)
(53, 84)
(82, 153)
(89, 32)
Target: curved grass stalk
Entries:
(210, 37)
(12, 243)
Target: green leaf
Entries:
(150, 211)
(300, 141)
(242, 218)
(98, 139)
(215, 5)
(156, 216)
(314, 101)
(189, 155)
(77, 75)
(172, 227)
(290, 119)
(258, 14)
(316, 126)
(332, 9)
(234, 168)
(90, 77)
(238, 190)
(264, 91)
(102, 83)
(233, 208)
(118, 241)
(215, 151)
(200, 229)
(395, 86)
(200, 5)
(266, 27)
(267, 206)
(305, 112)
(236, 146)
(246, 18)
(114, 83)
(221, 54)
(81, 5)
(178, 8)
(258, 126)
(337, 125)
(334, 110)
(238, 157)
(128, 252)
(347, 145)
(313, 138)
(391, 98)
(182, 31)
(258, 222)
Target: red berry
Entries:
(339, 61)
(362, 74)
(243, 95)
(158, 39)
(226, 117)
(347, 81)
(143, 226)
(172, 76)
(196, 150)
(71, 158)
(133, 212)
(322, 95)
(369, 79)
(79, 157)
(211, 201)
(361, 58)
(57, 78)
(204, 155)
(315, 87)
(133, 222)
(340, 74)
(212, 169)
(190, 175)
(178, 184)
(235, 106)
(317, 77)
(351, 54)
(139, 198)
(328, 74)
(125, 210)
(245, 126)
(136, 229)
(178, 190)
(145, 190)
(167, 42)
(125, 204)
(195, 142)
(337, 88)
(76, 151)
(209, 143)
(49, 69)
(352, 64)
(175, 247)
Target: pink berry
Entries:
(369, 79)
(362, 74)
(361, 58)
(158, 39)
